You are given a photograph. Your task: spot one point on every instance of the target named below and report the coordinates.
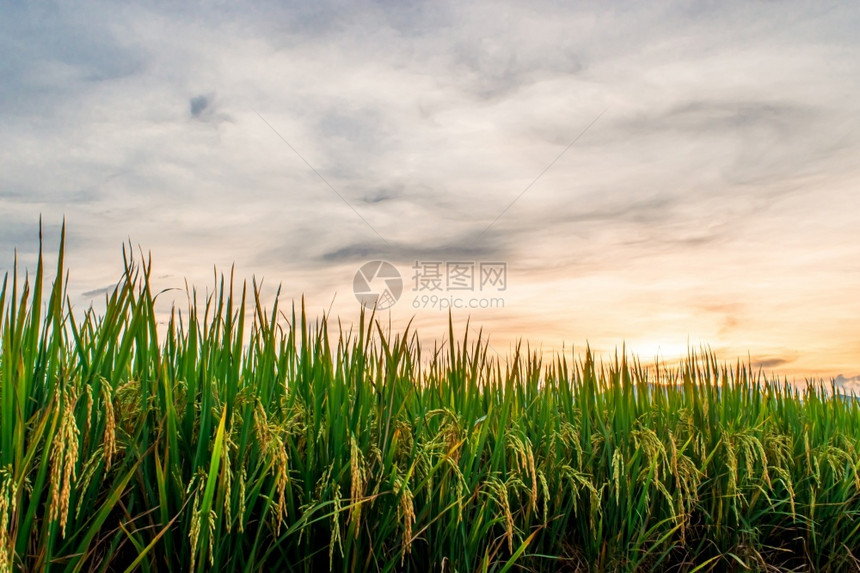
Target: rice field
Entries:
(246, 438)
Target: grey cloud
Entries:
(53, 51)
(723, 115)
(633, 210)
(415, 17)
(618, 212)
(24, 235)
(31, 194)
(380, 195)
(847, 382)
(462, 246)
(503, 66)
(754, 141)
(99, 291)
(848, 385)
(357, 252)
(405, 253)
(353, 137)
(354, 126)
(770, 362)
(662, 241)
(200, 104)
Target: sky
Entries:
(655, 176)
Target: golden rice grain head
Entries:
(64, 457)
(109, 437)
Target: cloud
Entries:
(99, 291)
(721, 115)
(199, 104)
(767, 363)
(22, 236)
(380, 195)
(848, 385)
(457, 250)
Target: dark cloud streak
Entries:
(198, 105)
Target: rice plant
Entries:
(246, 438)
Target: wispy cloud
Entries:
(99, 291)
